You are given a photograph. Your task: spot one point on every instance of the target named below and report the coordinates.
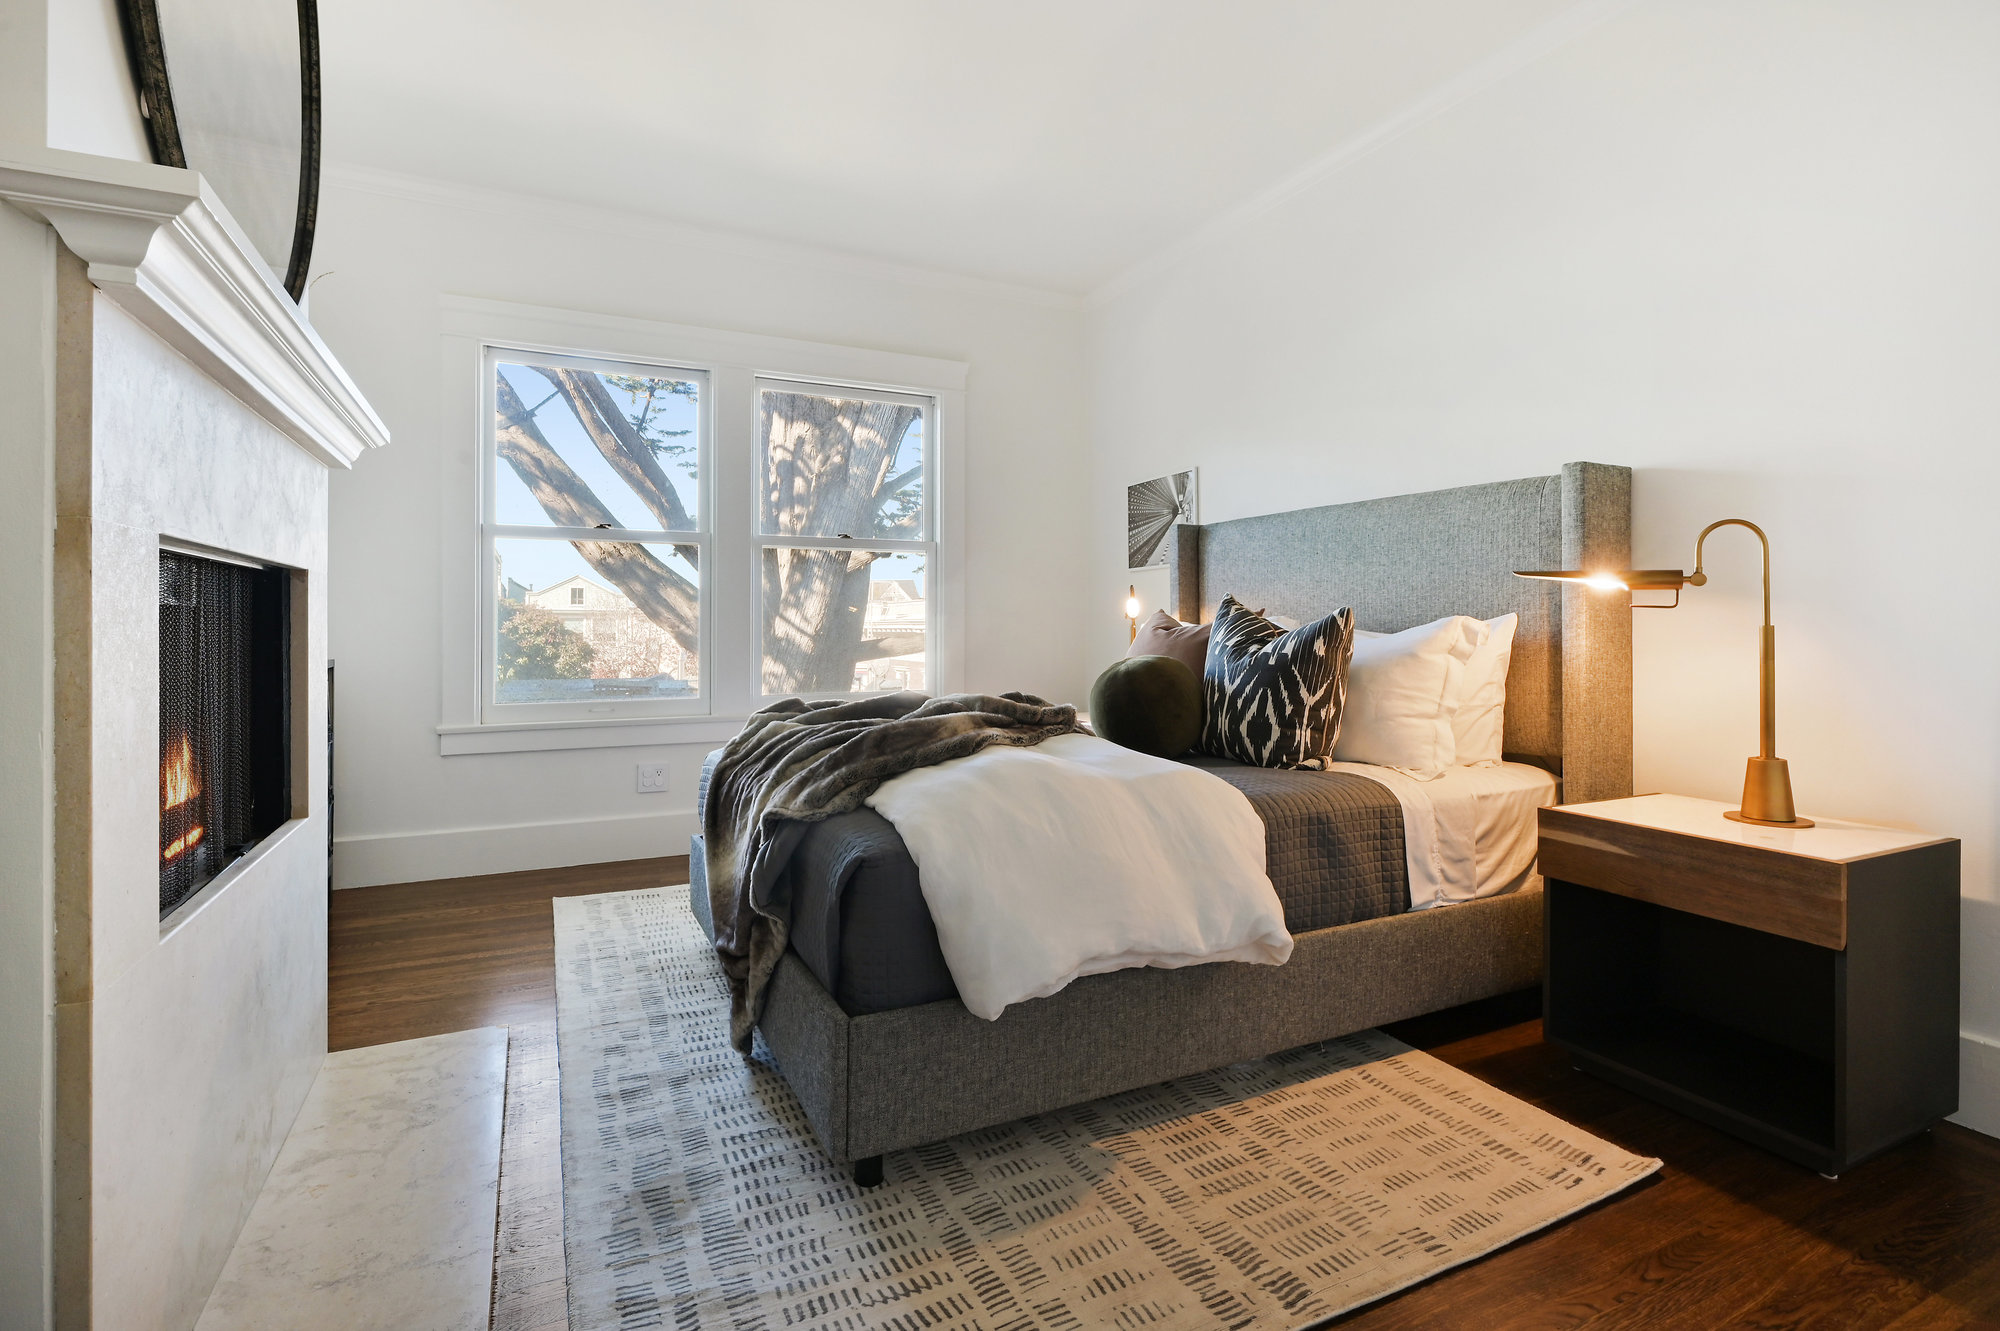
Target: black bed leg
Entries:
(868, 1172)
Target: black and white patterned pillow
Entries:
(1273, 697)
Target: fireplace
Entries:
(225, 715)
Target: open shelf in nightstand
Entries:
(1754, 1082)
(1733, 1025)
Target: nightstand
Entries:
(1795, 987)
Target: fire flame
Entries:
(178, 785)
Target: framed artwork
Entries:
(1151, 510)
(231, 89)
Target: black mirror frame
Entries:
(140, 20)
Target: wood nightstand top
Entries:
(1832, 839)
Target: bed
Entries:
(861, 1016)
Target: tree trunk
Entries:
(814, 601)
(825, 472)
(826, 461)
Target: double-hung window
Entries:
(595, 538)
(845, 536)
(668, 538)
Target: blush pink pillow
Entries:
(1163, 635)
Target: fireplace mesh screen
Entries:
(225, 760)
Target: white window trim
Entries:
(734, 362)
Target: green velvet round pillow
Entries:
(1148, 703)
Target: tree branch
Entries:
(628, 454)
(664, 596)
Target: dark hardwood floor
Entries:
(1724, 1236)
(414, 959)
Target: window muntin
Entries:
(846, 491)
(594, 532)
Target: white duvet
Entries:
(1076, 857)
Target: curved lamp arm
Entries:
(1767, 694)
(1700, 579)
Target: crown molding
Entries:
(162, 247)
(1545, 37)
(655, 229)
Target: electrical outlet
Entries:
(652, 778)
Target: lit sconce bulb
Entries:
(1604, 582)
(1132, 607)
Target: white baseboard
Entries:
(1978, 1084)
(466, 852)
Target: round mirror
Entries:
(231, 89)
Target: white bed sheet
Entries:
(1470, 832)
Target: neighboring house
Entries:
(895, 607)
(579, 602)
(628, 645)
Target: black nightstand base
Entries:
(1774, 1040)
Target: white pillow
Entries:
(1402, 692)
(1482, 699)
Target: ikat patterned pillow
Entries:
(1274, 697)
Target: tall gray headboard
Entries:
(1410, 559)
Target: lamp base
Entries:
(1767, 795)
(1736, 816)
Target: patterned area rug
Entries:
(1271, 1194)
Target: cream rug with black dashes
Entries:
(1271, 1194)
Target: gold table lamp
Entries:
(1767, 782)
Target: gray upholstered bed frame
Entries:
(890, 1080)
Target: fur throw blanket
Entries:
(796, 763)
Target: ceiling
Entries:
(1049, 143)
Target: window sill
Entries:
(546, 736)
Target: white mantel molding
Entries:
(160, 244)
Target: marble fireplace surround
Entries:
(192, 403)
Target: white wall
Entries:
(64, 80)
(27, 778)
(1748, 249)
(24, 71)
(92, 107)
(389, 249)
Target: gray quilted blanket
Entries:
(795, 763)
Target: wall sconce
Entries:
(1767, 781)
(1132, 612)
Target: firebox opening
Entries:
(225, 715)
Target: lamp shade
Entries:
(1611, 580)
